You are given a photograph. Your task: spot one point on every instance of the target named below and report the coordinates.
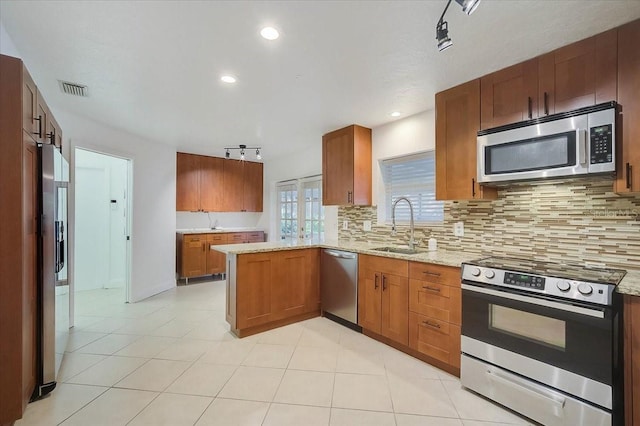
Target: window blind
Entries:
(414, 177)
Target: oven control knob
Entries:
(475, 272)
(585, 289)
(489, 273)
(564, 285)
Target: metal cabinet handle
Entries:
(375, 283)
(52, 137)
(435, 274)
(384, 282)
(204, 247)
(628, 175)
(530, 106)
(436, 289)
(546, 103)
(39, 132)
(431, 324)
(349, 197)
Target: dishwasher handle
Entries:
(340, 254)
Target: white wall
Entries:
(7, 47)
(100, 256)
(153, 243)
(409, 135)
(195, 220)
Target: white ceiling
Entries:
(153, 67)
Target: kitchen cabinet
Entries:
(435, 312)
(29, 104)
(457, 125)
(578, 75)
(383, 297)
(245, 237)
(632, 360)
(346, 167)
(509, 95)
(216, 261)
(213, 184)
(192, 252)
(628, 167)
(272, 289)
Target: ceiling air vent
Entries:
(74, 89)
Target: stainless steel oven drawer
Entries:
(540, 403)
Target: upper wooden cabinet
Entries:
(628, 177)
(215, 184)
(509, 95)
(457, 125)
(346, 167)
(578, 75)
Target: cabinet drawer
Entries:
(385, 265)
(435, 338)
(438, 274)
(435, 300)
(197, 238)
(237, 237)
(255, 237)
(217, 238)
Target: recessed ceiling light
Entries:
(269, 33)
(228, 79)
(395, 114)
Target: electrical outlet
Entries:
(345, 225)
(458, 229)
(366, 225)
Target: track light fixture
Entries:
(442, 28)
(242, 149)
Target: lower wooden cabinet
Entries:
(274, 288)
(196, 258)
(632, 360)
(435, 338)
(383, 297)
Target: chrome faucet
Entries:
(412, 241)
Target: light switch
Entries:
(366, 225)
(345, 225)
(458, 229)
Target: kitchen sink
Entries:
(400, 250)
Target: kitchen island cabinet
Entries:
(632, 359)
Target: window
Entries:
(300, 211)
(412, 176)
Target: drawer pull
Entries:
(431, 324)
(436, 289)
(435, 274)
(384, 283)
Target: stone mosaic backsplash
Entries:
(575, 221)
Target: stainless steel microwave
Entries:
(574, 143)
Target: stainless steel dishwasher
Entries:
(339, 286)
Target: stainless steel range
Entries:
(544, 339)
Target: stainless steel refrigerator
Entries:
(53, 286)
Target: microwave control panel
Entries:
(601, 144)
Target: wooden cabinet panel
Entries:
(435, 300)
(188, 182)
(254, 237)
(440, 274)
(369, 298)
(578, 75)
(346, 166)
(211, 172)
(395, 308)
(435, 338)
(41, 118)
(54, 133)
(509, 95)
(233, 186)
(194, 256)
(628, 167)
(29, 104)
(457, 125)
(216, 261)
(296, 292)
(256, 279)
(253, 187)
(632, 359)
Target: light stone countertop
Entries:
(439, 257)
(630, 284)
(216, 230)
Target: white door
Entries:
(300, 211)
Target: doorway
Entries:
(102, 233)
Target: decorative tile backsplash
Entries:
(576, 221)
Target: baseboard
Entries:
(151, 291)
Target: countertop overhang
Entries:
(216, 230)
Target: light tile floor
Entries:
(171, 360)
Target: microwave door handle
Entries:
(581, 137)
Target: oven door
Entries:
(568, 346)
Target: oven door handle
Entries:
(556, 399)
(536, 301)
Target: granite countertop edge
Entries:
(216, 231)
(630, 284)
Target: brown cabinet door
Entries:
(457, 125)
(194, 255)
(41, 119)
(632, 359)
(628, 168)
(29, 104)
(395, 308)
(256, 278)
(211, 183)
(296, 285)
(233, 186)
(187, 182)
(337, 167)
(369, 295)
(578, 75)
(435, 338)
(255, 237)
(253, 189)
(54, 134)
(216, 261)
(509, 95)
(237, 238)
